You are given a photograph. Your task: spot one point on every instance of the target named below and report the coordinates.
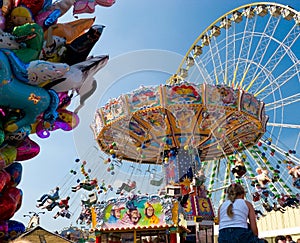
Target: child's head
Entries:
(21, 15)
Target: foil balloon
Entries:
(71, 30)
(64, 99)
(27, 149)
(47, 4)
(88, 6)
(10, 229)
(42, 16)
(32, 100)
(18, 136)
(50, 114)
(2, 21)
(4, 179)
(54, 49)
(34, 5)
(32, 35)
(67, 120)
(19, 69)
(7, 6)
(8, 41)
(20, 15)
(15, 173)
(84, 6)
(105, 3)
(10, 202)
(63, 5)
(79, 49)
(15, 228)
(80, 73)
(41, 72)
(2, 136)
(8, 155)
(52, 18)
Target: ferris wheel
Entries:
(254, 49)
(229, 112)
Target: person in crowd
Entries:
(262, 177)
(298, 240)
(63, 203)
(64, 212)
(233, 216)
(88, 185)
(239, 169)
(258, 212)
(277, 207)
(128, 187)
(53, 196)
(267, 207)
(280, 239)
(288, 201)
(289, 239)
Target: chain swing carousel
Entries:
(223, 117)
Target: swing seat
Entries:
(154, 182)
(128, 188)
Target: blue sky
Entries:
(132, 25)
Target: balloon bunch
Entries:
(44, 64)
(10, 201)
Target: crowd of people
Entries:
(285, 239)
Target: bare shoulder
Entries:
(249, 204)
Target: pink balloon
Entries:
(84, 6)
(27, 150)
(41, 17)
(10, 202)
(105, 3)
(4, 179)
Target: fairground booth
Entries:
(153, 218)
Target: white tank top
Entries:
(240, 214)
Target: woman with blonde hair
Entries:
(234, 214)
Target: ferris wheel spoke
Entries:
(245, 46)
(275, 59)
(200, 67)
(232, 57)
(283, 102)
(295, 126)
(216, 60)
(262, 47)
(281, 80)
(228, 52)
